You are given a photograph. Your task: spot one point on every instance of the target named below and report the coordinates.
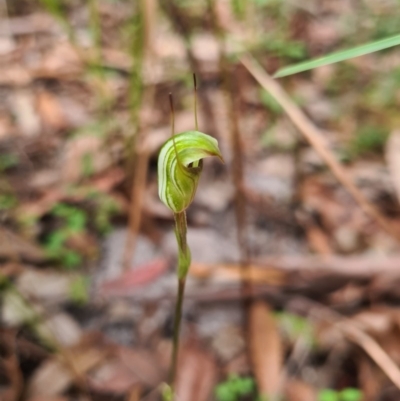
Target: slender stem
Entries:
(195, 102)
(184, 257)
(183, 267)
(177, 325)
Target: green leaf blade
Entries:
(339, 56)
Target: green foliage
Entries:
(384, 92)
(350, 394)
(74, 217)
(264, 3)
(340, 56)
(102, 127)
(368, 139)
(7, 201)
(269, 102)
(105, 209)
(386, 25)
(239, 8)
(167, 393)
(73, 222)
(87, 165)
(328, 395)
(79, 290)
(345, 76)
(280, 46)
(7, 161)
(295, 326)
(234, 388)
(347, 394)
(54, 7)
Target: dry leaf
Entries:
(13, 246)
(112, 377)
(82, 153)
(233, 273)
(14, 75)
(49, 286)
(23, 106)
(318, 240)
(134, 278)
(370, 377)
(6, 126)
(265, 348)
(55, 375)
(392, 154)
(142, 364)
(59, 61)
(45, 398)
(297, 390)
(50, 111)
(40, 398)
(197, 374)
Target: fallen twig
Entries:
(313, 136)
(356, 335)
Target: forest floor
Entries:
(293, 290)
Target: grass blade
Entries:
(339, 56)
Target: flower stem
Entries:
(177, 325)
(183, 267)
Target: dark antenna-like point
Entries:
(195, 102)
(171, 104)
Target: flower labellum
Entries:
(180, 165)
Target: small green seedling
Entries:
(179, 168)
(347, 394)
(7, 201)
(74, 222)
(234, 388)
(7, 161)
(78, 291)
(294, 326)
(369, 139)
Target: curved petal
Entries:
(179, 167)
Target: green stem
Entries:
(177, 326)
(184, 257)
(183, 267)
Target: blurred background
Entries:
(293, 292)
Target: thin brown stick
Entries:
(355, 334)
(140, 151)
(313, 136)
(140, 166)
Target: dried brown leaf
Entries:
(142, 364)
(50, 111)
(55, 375)
(23, 106)
(13, 246)
(81, 153)
(197, 374)
(392, 154)
(297, 390)
(233, 273)
(265, 348)
(318, 240)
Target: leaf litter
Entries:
(77, 325)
